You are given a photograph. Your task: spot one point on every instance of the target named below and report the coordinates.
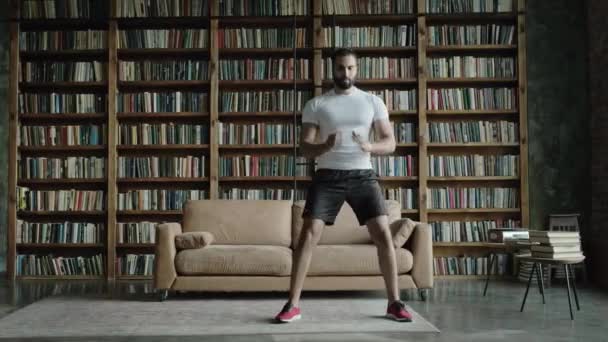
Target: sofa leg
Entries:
(162, 295)
(424, 294)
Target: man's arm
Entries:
(308, 145)
(385, 135)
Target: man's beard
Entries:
(343, 83)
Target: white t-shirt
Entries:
(344, 113)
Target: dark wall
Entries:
(4, 43)
(557, 101)
(558, 119)
(598, 88)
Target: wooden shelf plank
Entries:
(264, 179)
(254, 146)
(75, 148)
(472, 112)
(378, 82)
(473, 145)
(163, 84)
(63, 116)
(257, 114)
(67, 54)
(473, 210)
(71, 213)
(470, 80)
(201, 54)
(162, 115)
(376, 50)
(162, 180)
(148, 212)
(433, 18)
(66, 181)
(135, 245)
(470, 48)
(63, 85)
(264, 83)
(41, 24)
(473, 178)
(60, 245)
(162, 22)
(59, 277)
(306, 51)
(172, 147)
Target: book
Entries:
(562, 248)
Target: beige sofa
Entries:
(253, 244)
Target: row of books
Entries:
(263, 100)
(264, 7)
(183, 70)
(405, 132)
(471, 67)
(63, 40)
(61, 168)
(485, 34)
(92, 71)
(50, 265)
(164, 166)
(136, 265)
(63, 200)
(469, 265)
(163, 39)
(474, 132)
(472, 99)
(59, 232)
(370, 36)
(390, 166)
(71, 135)
(162, 8)
(271, 68)
(259, 166)
(162, 134)
(377, 68)
(467, 231)
(152, 102)
(52, 9)
(258, 133)
(56, 103)
(263, 38)
(365, 7)
(396, 99)
(261, 194)
(158, 199)
(468, 6)
(136, 232)
(474, 198)
(406, 196)
(473, 165)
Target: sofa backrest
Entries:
(240, 222)
(345, 230)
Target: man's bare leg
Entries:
(310, 236)
(381, 236)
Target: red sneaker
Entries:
(398, 312)
(288, 314)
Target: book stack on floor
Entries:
(555, 244)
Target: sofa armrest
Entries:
(421, 246)
(164, 260)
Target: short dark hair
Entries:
(343, 52)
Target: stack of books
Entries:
(555, 244)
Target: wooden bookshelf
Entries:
(213, 112)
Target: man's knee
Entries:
(379, 230)
(312, 229)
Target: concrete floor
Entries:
(456, 307)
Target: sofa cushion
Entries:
(401, 230)
(339, 260)
(251, 260)
(192, 240)
(346, 229)
(240, 222)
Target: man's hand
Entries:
(366, 146)
(331, 141)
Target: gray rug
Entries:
(69, 316)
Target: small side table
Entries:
(508, 247)
(566, 262)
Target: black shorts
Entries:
(330, 188)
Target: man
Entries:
(342, 119)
